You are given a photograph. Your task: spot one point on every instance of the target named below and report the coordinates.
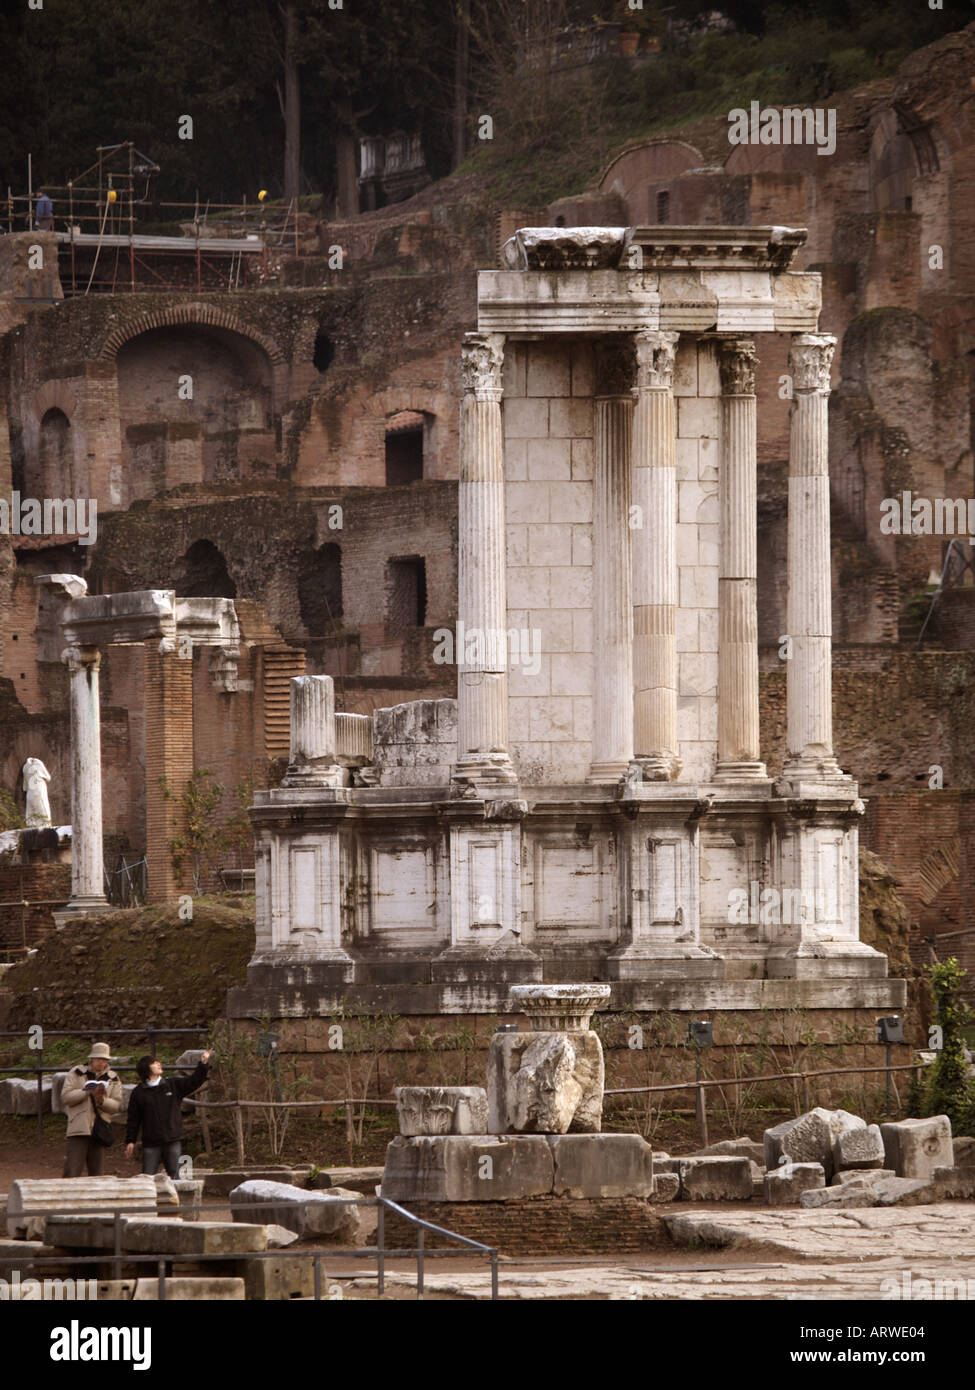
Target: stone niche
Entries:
(594, 804)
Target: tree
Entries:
(197, 839)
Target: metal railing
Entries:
(700, 1085)
(381, 1252)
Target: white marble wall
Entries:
(697, 390)
(548, 429)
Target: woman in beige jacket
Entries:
(83, 1101)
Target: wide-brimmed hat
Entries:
(100, 1050)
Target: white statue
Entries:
(36, 778)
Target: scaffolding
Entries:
(102, 249)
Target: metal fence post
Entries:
(162, 1280)
(381, 1247)
(421, 1239)
(40, 1093)
(117, 1245)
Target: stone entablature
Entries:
(602, 798)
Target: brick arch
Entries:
(54, 395)
(192, 315)
(670, 156)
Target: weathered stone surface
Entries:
(666, 1187)
(180, 1289)
(602, 1165)
(720, 1178)
(362, 1180)
(291, 1277)
(545, 1083)
(190, 1194)
(954, 1184)
(222, 1184)
(858, 1148)
(905, 1192)
(16, 1254)
(734, 1148)
(309, 1214)
(914, 1148)
(175, 1237)
(57, 1085)
(188, 1060)
(862, 1177)
(82, 1232)
(849, 1195)
(18, 1096)
(279, 1237)
(166, 1194)
(784, 1186)
(468, 1168)
(555, 1008)
(809, 1138)
(33, 1197)
(940, 1233)
(442, 1110)
(963, 1149)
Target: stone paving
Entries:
(872, 1254)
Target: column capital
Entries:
(656, 353)
(76, 658)
(481, 360)
(615, 362)
(737, 360)
(810, 359)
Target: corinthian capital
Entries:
(656, 353)
(736, 363)
(810, 360)
(481, 359)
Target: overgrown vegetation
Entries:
(10, 817)
(948, 1087)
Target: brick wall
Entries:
(43, 884)
(538, 1225)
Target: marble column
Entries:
(738, 729)
(482, 675)
(612, 611)
(87, 868)
(809, 695)
(313, 743)
(655, 557)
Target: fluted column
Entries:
(655, 557)
(738, 729)
(313, 742)
(809, 693)
(87, 868)
(612, 612)
(482, 677)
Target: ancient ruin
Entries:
(595, 798)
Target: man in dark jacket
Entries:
(155, 1108)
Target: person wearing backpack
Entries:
(91, 1095)
(155, 1108)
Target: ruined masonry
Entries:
(596, 796)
